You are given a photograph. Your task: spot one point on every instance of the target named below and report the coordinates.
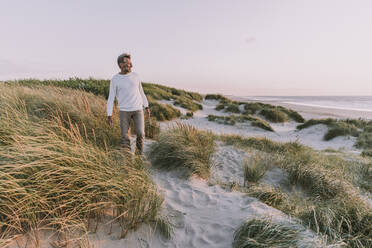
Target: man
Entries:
(127, 88)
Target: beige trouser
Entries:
(139, 126)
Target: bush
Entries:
(184, 147)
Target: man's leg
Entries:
(124, 126)
(139, 125)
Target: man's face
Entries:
(126, 65)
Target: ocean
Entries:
(351, 103)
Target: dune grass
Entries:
(359, 128)
(233, 119)
(185, 147)
(217, 97)
(269, 112)
(336, 127)
(188, 100)
(334, 206)
(163, 112)
(255, 168)
(60, 168)
(265, 233)
(274, 115)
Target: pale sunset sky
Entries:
(235, 47)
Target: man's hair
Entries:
(122, 56)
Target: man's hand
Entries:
(109, 121)
(147, 112)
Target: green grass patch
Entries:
(233, 119)
(265, 233)
(163, 112)
(184, 146)
(270, 112)
(274, 115)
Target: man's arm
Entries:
(110, 102)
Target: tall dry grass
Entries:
(59, 170)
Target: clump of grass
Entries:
(217, 97)
(366, 153)
(255, 168)
(184, 146)
(276, 198)
(163, 112)
(262, 144)
(341, 219)
(365, 139)
(233, 108)
(253, 107)
(55, 176)
(262, 124)
(220, 106)
(271, 112)
(164, 226)
(188, 104)
(190, 114)
(233, 119)
(227, 120)
(265, 233)
(274, 115)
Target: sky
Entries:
(233, 47)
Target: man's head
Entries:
(125, 63)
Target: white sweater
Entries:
(128, 91)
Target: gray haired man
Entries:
(127, 88)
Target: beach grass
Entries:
(332, 185)
(233, 119)
(270, 112)
(154, 92)
(336, 127)
(265, 233)
(185, 147)
(274, 115)
(163, 112)
(61, 168)
(255, 168)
